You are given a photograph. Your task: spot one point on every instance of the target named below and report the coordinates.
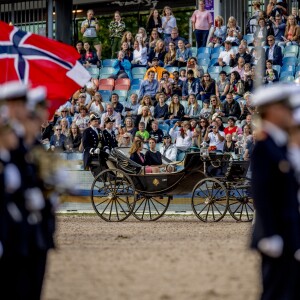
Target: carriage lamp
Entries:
(240, 148)
(204, 150)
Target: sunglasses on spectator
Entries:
(58, 129)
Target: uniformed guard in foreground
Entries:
(276, 233)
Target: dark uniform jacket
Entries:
(109, 140)
(90, 140)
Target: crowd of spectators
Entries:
(181, 100)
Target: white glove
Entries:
(92, 151)
(271, 246)
(97, 151)
(297, 255)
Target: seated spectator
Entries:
(141, 35)
(175, 38)
(168, 21)
(109, 140)
(89, 58)
(64, 127)
(278, 28)
(80, 48)
(113, 116)
(142, 132)
(96, 106)
(240, 68)
(128, 54)
(57, 140)
(77, 103)
(82, 118)
(207, 87)
(232, 37)
(175, 110)
(206, 110)
(232, 128)
(247, 71)
(64, 113)
(154, 21)
(183, 136)
(231, 107)
(156, 69)
(161, 108)
(219, 33)
(131, 107)
(222, 86)
(152, 156)
(292, 32)
(139, 58)
(229, 145)
(177, 84)
(145, 117)
(146, 101)
(74, 139)
(271, 75)
(165, 84)
(225, 55)
(182, 54)
(262, 31)
(236, 85)
(247, 135)
(242, 52)
(273, 52)
(156, 132)
(192, 64)
(168, 149)
(182, 75)
(219, 121)
(122, 67)
(128, 38)
(170, 57)
(233, 28)
(258, 56)
(125, 140)
(129, 126)
(196, 134)
(159, 52)
(116, 29)
(149, 86)
(118, 107)
(215, 137)
(191, 85)
(215, 106)
(203, 125)
(246, 106)
(154, 37)
(193, 108)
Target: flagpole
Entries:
(50, 19)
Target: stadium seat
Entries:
(214, 76)
(204, 50)
(277, 68)
(289, 54)
(194, 51)
(130, 92)
(106, 87)
(297, 68)
(203, 55)
(171, 69)
(286, 73)
(135, 86)
(105, 95)
(203, 62)
(75, 156)
(108, 62)
(94, 72)
(288, 68)
(215, 69)
(123, 81)
(287, 79)
(164, 127)
(138, 72)
(227, 69)
(214, 55)
(249, 38)
(136, 81)
(121, 93)
(217, 50)
(291, 49)
(200, 103)
(124, 87)
(290, 60)
(106, 81)
(180, 156)
(107, 70)
(297, 75)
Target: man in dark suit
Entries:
(91, 140)
(276, 234)
(274, 52)
(241, 53)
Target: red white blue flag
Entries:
(39, 61)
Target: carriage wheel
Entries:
(150, 208)
(241, 203)
(113, 195)
(210, 200)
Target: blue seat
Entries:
(138, 71)
(249, 38)
(180, 156)
(287, 79)
(135, 86)
(106, 70)
(297, 68)
(297, 75)
(277, 68)
(203, 55)
(75, 156)
(214, 76)
(216, 50)
(214, 55)
(204, 62)
(136, 81)
(214, 69)
(291, 49)
(289, 60)
(289, 54)
(286, 73)
(94, 72)
(120, 93)
(108, 62)
(164, 127)
(171, 69)
(288, 68)
(194, 51)
(204, 50)
(266, 47)
(105, 95)
(227, 69)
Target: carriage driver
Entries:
(91, 140)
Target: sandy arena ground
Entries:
(177, 257)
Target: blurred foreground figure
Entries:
(276, 234)
(27, 203)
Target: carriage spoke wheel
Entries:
(210, 200)
(113, 195)
(150, 208)
(241, 203)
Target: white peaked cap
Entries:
(35, 96)
(13, 90)
(277, 92)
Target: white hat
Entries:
(276, 92)
(13, 90)
(36, 96)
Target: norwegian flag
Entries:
(39, 61)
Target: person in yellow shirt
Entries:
(156, 69)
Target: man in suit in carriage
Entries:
(276, 232)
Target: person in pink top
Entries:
(201, 22)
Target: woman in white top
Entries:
(183, 135)
(96, 105)
(168, 149)
(139, 54)
(146, 101)
(168, 21)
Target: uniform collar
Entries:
(279, 136)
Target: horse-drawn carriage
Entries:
(217, 182)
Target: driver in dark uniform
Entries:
(276, 232)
